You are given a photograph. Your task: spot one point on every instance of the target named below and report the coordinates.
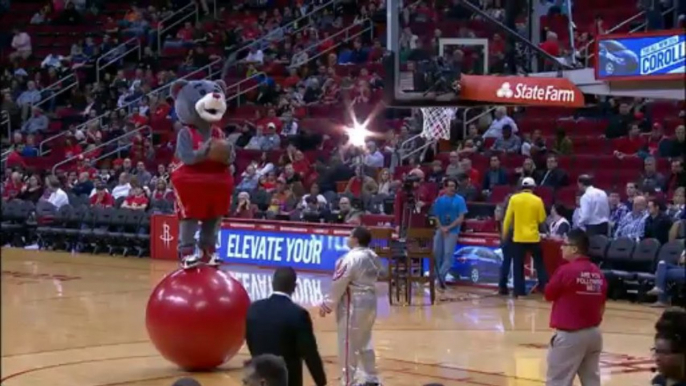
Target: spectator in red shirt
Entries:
(376, 52)
(467, 168)
(13, 187)
(552, 46)
(71, 148)
(578, 292)
(301, 164)
(184, 37)
(162, 192)
(83, 165)
(292, 79)
(631, 145)
(361, 184)
(137, 200)
(655, 139)
(101, 198)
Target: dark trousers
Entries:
(598, 229)
(516, 253)
(505, 267)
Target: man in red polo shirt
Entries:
(578, 291)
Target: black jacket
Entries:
(658, 227)
(280, 327)
(557, 178)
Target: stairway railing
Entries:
(643, 26)
(58, 88)
(244, 86)
(292, 27)
(342, 37)
(590, 46)
(102, 145)
(421, 149)
(466, 122)
(5, 122)
(116, 54)
(160, 90)
(190, 10)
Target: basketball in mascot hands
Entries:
(220, 151)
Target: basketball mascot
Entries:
(200, 175)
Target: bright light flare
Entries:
(358, 134)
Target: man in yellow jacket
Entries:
(523, 218)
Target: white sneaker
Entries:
(215, 260)
(32, 247)
(654, 292)
(191, 261)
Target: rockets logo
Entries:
(166, 235)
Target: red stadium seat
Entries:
(567, 196)
(499, 193)
(545, 193)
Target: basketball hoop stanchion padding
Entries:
(437, 122)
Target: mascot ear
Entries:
(222, 85)
(176, 87)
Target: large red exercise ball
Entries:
(196, 317)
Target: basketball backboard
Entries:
(428, 49)
(433, 49)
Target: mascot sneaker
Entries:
(214, 260)
(190, 261)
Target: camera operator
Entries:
(413, 198)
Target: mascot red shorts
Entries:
(202, 195)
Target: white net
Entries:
(437, 122)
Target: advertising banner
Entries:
(641, 56)
(316, 247)
(478, 261)
(531, 91)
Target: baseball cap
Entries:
(528, 182)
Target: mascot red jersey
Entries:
(203, 187)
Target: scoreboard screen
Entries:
(641, 56)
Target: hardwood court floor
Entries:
(78, 320)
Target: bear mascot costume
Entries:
(202, 185)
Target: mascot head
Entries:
(199, 102)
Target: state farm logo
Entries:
(535, 93)
(505, 91)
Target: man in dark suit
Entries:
(553, 176)
(278, 326)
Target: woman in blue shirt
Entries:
(449, 210)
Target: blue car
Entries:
(616, 60)
(477, 264)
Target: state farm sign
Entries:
(524, 91)
(535, 93)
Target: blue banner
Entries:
(473, 263)
(302, 251)
(641, 57)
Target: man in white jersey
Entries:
(353, 296)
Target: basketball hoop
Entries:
(437, 122)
